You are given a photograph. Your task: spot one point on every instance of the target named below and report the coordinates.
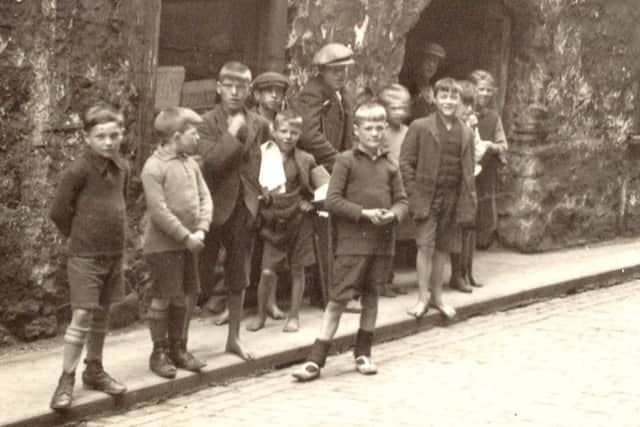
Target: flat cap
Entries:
(434, 49)
(270, 78)
(333, 54)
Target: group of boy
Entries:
(221, 179)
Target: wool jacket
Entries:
(358, 182)
(420, 158)
(327, 121)
(178, 201)
(230, 165)
(89, 206)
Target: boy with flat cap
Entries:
(230, 151)
(269, 89)
(326, 111)
(423, 102)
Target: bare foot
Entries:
(275, 313)
(292, 325)
(256, 324)
(234, 346)
(419, 310)
(223, 318)
(446, 310)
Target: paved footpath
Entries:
(570, 361)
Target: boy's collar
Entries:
(166, 154)
(102, 163)
(382, 152)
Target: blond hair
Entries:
(175, 119)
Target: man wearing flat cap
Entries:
(269, 89)
(423, 102)
(324, 106)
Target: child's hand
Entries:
(386, 216)
(199, 235)
(472, 121)
(305, 206)
(194, 244)
(372, 215)
(235, 123)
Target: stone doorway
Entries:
(475, 34)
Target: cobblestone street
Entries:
(565, 362)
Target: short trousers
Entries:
(358, 275)
(95, 282)
(297, 254)
(440, 229)
(173, 273)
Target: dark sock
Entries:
(364, 340)
(177, 314)
(319, 352)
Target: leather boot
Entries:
(63, 395)
(95, 378)
(457, 282)
(182, 358)
(159, 363)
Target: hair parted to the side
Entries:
(289, 116)
(236, 71)
(175, 119)
(468, 91)
(99, 113)
(369, 111)
(447, 84)
(478, 76)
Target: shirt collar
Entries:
(165, 155)
(382, 152)
(102, 163)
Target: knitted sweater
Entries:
(89, 205)
(358, 182)
(178, 201)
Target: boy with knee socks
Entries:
(179, 210)
(367, 200)
(89, 209)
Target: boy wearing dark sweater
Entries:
(179, 211)
(89, 209)
(367, 200)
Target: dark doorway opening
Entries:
(202, 35)
(475, 34)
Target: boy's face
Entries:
(484, 93)
(430, 65)
(286, 136)
(369, 133)
(465, 109)
(397, 113)
(105, 139)
(447, 102)
(270, 97)
(335, 76)
(233, 93)
(187, 140)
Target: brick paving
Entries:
(566, 362)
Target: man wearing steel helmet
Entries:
(423, 102)
(324, 105)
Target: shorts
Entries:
(357, 275)
(440, 229)
(174, 274)
(95, 282)
(298, 253)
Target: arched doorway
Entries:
(475, 34)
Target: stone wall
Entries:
(573, 181)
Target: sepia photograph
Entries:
(319, 213)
